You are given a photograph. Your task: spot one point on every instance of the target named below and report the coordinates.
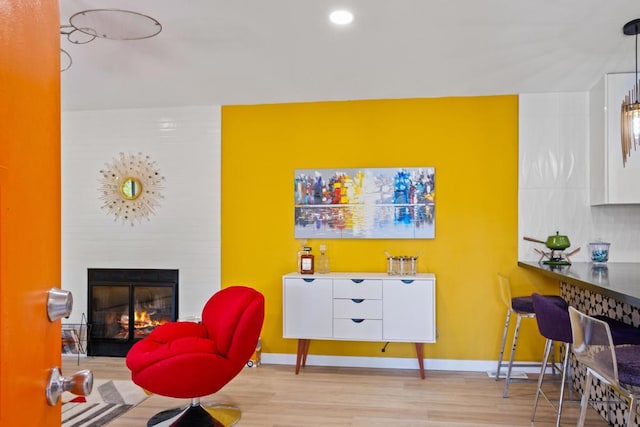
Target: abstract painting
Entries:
(365, 203)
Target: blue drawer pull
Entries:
(308, 280)
(357, 280)
(407, 281)
(357, 320)
(357, 300)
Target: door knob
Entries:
(59, 304)
(80, 384)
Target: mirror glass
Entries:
(131, 188)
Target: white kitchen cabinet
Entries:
(359, 307)
(611, 182)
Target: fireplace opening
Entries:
(125, 305)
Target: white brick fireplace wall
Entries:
(184, 233)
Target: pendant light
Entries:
(113, 24)
(630, 114)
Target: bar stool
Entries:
(523, 309)
(555, 325)
(615, 366)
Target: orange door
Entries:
(29, 208)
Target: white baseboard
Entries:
(397, 363)
(391, 363)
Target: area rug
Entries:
(108, 400)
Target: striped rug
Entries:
(108, 400)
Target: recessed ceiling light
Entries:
(341, 17)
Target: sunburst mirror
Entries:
(131, 187)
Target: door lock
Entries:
(59, 304)
(80, 384)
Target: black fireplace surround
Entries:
(125, 305)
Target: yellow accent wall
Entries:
(472, 143)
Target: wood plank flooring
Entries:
(273, 396)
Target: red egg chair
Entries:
(191, 360)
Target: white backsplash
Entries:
(554, 182)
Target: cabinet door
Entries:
(408, 310)
(308, 308)
(611, 179)
(621, 179)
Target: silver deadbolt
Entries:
(80, 384)
(59, 304)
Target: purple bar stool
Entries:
(554, 325)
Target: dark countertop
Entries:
(618, 280)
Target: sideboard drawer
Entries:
(357, 308)
(358, 329)
(357, 288)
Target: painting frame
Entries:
(365, 203)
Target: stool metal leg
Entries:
(504, 341)
(585, 398)
(631, 415)
(547, 350)
(513, 352)
(565, 369)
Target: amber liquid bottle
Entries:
(307, 262)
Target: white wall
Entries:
(554, 181)
(184, 233)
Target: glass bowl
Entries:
(599, 252)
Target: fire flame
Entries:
(142, 320)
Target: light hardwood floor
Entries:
(272, 395)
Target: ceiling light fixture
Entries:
(113, 24)
(630, 113)
(341, 17)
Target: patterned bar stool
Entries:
(523, 309)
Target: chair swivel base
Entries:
(196, 416)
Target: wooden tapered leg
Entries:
(306, 352)
(420, 355)
(301, 356)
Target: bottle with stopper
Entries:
(307, 264)
(301, 251)
(322, 264)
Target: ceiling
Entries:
(257, 51)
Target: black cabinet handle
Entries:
(357, 300)
(357, 280)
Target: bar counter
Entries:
(617, 280)
(612, 290)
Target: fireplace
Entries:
(125, 305)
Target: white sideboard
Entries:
(359, 307)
